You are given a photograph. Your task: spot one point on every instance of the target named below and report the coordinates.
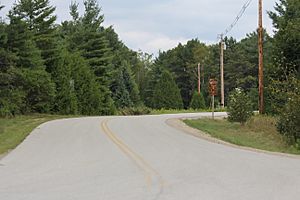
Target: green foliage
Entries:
(85, 86)
(259, 132)
(39, 89)
(153, 78)
(239, 107)
(182, 62)
(65, 100)
(40, 19)
(5, 55)
(254, 97)
(197, 101)
(26, 90)
(20, 43)
(120, 93)
(140, 110)
(86, 35)
(286, 39)
(289, 117)
(12, 97)
(166, 93)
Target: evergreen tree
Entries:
(40, 18)
(65, 100)
(286, 41)
(166, 93)
(197, 101)
(125, 90)
(86, 87)
(86, 35)
(153, 78)
(21, 44)
(39, 90)
(182, 62)
(142, 70)
(35, 82)
(12, 96)
(5, 55)
(120, 94)
(286, 60)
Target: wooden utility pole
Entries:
(222, 71)
(260, 62)
(199, 79)
(202, 73)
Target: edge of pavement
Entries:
(178, 124)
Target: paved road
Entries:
(139, 158)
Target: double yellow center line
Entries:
(149, 172)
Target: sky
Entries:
(158, 25)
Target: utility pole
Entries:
(202, 73)
(260, 62)
(199, 79)
(222, 71)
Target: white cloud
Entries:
(162, 24)
(150, 42)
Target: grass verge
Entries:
(259, 133)
(14, 130)
(175, 111)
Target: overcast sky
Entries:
(153, 25)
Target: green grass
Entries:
(260, 133)
(177, 111)
(14, 130)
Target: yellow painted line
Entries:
(138, 160)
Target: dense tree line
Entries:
(82, 67)
(77, 67)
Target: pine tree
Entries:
(30, 75)
(286, 39)
(153, 78)
(182, 62)
(65, 100)
(40, 18)
(120, 93)
(39, 89)
(166, 93)
(197, 101)
(89, 39)
(86, 87)
(21, 44)
(11, 97)
(5, 55)
(124, 89)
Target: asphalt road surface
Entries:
(139, 158)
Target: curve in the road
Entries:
(148, 170)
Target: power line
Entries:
(221, 36)
(240, 14)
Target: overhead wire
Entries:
(238, 17)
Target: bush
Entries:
(239, 107)
(197, 101)
(135, 111)
(289, 120)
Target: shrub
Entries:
(135, 111)
(289, 120)
(197, 101)
(239, 107)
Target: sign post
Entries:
(213, 92)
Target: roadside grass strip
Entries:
(259, 133)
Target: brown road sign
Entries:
(213, 87)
